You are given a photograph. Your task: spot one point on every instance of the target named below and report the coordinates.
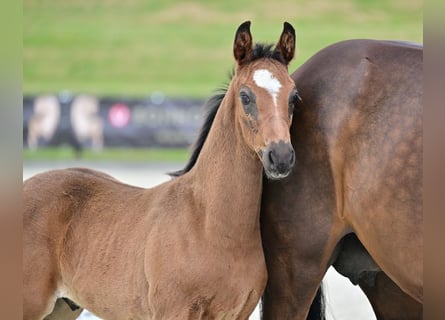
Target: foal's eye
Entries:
(248, 100)
(245, 99)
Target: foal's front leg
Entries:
(297, 259)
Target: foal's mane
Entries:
(260, 51)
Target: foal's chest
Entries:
(207, 283)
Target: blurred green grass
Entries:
(183, 48)
(65, 153)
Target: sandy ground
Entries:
(344, 301)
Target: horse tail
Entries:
(317, 310)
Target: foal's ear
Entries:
(242, 46)
(286, 46)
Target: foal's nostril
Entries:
(272, 157)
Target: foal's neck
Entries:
(228, 177)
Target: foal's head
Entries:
(265, 98)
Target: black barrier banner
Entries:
(86, 121)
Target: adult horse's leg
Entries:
(389, 302)
(298, 246)
(64, 310)
(292, 301)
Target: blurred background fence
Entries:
(86, 121)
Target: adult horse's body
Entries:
(357, 136)
(187, 249)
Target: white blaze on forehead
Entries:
(265, 79)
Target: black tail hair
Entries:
(317, 310)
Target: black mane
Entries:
(260, 51)
(266, 51)
(212, 106)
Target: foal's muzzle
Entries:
(278, 159)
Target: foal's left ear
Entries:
(286, 46)
(242, 46)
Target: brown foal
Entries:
(189, 248)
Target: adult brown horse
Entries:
(357, 134)
(187, 249)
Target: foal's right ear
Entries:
(242, 46)
(286, 44)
